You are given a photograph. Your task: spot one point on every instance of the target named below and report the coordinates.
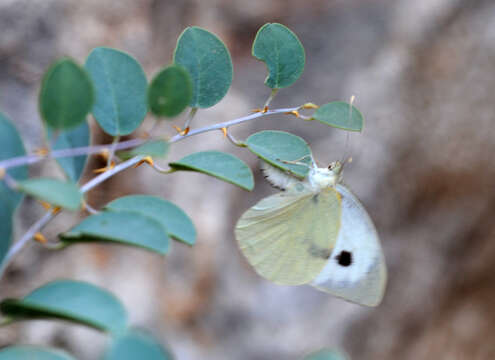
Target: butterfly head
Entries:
(321, 178)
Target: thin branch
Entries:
(43, 221)
(85, 150)
(109, 173)
(19, 245)
(127, 144)
(227, 124)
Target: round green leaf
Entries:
(170, 91)
(154, 148)
(53, 191)
(177, 223)
(282, 52)
(10, 146)
(6, 217)
(66, 95)
(325, 354)
(275, 147)
(136, 345)
(223, 166)
(33, 353)
(74, 301)
(208, 62)
(120, 85)
(341, 115)
(73, 166)
(126, 228)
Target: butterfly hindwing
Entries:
(356, 269)
(288, 237)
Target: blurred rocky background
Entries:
(424, 167)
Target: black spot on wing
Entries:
(344, 258)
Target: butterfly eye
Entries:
(344, 258)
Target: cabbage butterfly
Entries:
(317, 233)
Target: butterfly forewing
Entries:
(356, 268)
(288, 237)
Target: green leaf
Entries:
(136, 345)
(75, 301)
(126, 228)
(73, 166)
(10, 146)
(6, 217)
(153, 148)
(325, 354)
(170, 91)
(341, 115)
(54, 192)
(29, 352)
(208, 62)
(282, 52)
(121, 86)
(223, 166)
(66, 95)
(177, 223)
(275, 147)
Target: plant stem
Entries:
(227, 124)
(127, 144)
(30, 159)
(46, 218)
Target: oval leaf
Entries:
(66, 95)
(73, 167)
(120, 85)
(341, 115)
(326, 355)
(6, 217)
(177, 223)
(154, 148)
(10, 146)
(136, 345)
(282, 52)
(170, 91)
(223, 166)
(126, 228)
(33, 353)
(54, 192)
(279, 147)
(208, 62)
(75, 301)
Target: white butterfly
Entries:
(316, 232)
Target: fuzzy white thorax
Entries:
(321, 178)
(318, 178)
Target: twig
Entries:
(19, 245)
(85, 150)
(43, 221)
(227, 124)
(127, 144)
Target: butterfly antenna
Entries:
(345, 157)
